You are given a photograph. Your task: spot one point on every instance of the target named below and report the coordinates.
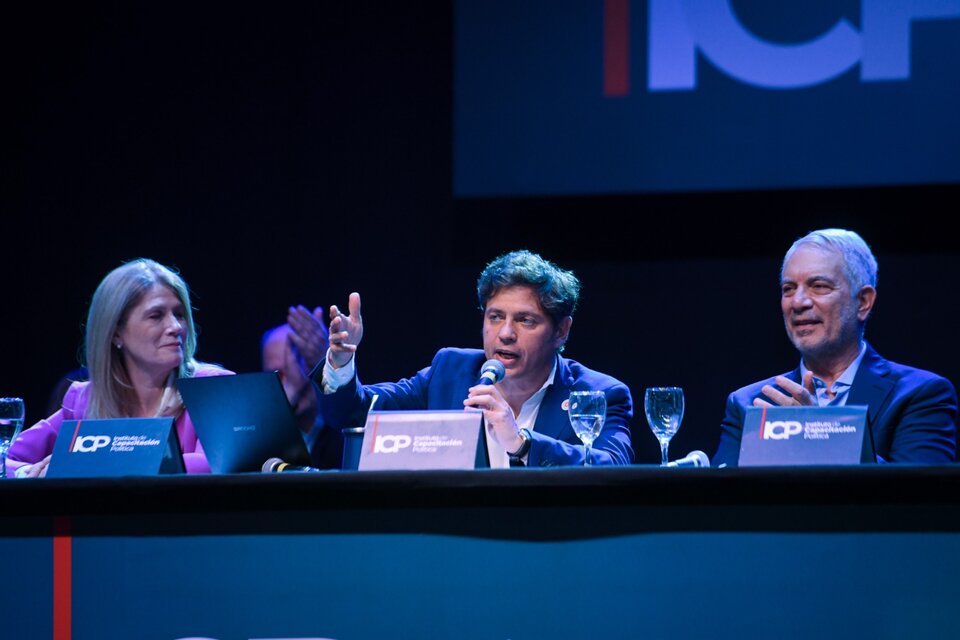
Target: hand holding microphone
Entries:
(498, 416)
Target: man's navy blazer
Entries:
(911, 413)
(444, 384)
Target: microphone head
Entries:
(271, 465)
(692, 459)
(492, 371)
(699, 458)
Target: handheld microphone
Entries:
(692, 459)
(276, 465)
(491, 372)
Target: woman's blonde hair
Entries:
(111, 392)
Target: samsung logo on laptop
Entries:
(245, 427)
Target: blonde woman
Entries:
(140, 338)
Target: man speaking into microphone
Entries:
(519, 379)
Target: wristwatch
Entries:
(517, 456)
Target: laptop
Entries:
(793, 436)
(110, 447)
(243, 420)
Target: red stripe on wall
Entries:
(616, 48)
(62, 577)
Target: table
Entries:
(629, 552)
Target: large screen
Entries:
(567, 97)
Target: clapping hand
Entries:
(308, 333)
(797, 395)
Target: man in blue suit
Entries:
(528, 306)
(828, 289)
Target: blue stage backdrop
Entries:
(578, 97)
(376, 586)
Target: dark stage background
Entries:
(292, 153)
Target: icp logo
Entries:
(88, 444)
(781, 429)
(679, 29)
(391, 444)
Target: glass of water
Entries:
(664, 409)
(587, 410)
(11, 421)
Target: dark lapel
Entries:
(552, 420)
(872, 384)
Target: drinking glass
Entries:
(11, 421)
(664, 409)
(587, 410)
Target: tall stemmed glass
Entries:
(11, 421)
(587, 410)
(664, 409)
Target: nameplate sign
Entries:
(417, 440)
(774, 436)
(115, 447)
